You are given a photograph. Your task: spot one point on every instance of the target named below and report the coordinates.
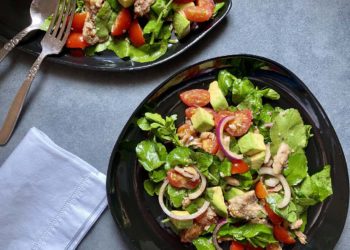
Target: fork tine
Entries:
(65, 30)
(54, 18)
(59, 23)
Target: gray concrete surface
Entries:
(84, 111)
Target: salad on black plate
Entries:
(141, 30)
(235, 173)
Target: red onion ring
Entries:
(215, 232)
(174, 216)
(286, 188)
(219, 134)
(201, 189)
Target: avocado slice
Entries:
(232, 193)
(217, 98)
(181, 24)
(251, 144)
(216, 199)
(181, 224)
(256, 161)
(202, 120)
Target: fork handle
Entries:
(17, 103)
(14, 41)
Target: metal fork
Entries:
(52, 43)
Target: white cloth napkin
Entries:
(49, 198)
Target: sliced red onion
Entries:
(201, 189)
(220, 133)
(174, 216)
(272, 182)
(286, 188)
(215, 232)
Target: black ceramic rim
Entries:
(332, 222)
(69, 61)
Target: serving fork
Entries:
(52, 43)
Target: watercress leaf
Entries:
(225, 81)
(157, 175)
(195, 205)
(253, 102)
(176, 196)
(160, 6)
(271, 94)
(150, 154)
(181, 156)
(153, 26)
(241, 88)
(204, 160)
(296, 170)
(245, 180)
(104, 18)
(143, 124)
(149, 186)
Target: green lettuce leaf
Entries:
(157, 175)
(104, 19)
(316, 188)
(259, 235)
(225, 81)
(289, 127)
(241, 88)
(203, 243)
(296, 170)
(203, 160)
(145, 53)
(218, 7)
(150, 154)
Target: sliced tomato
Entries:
(200, 13)
(179, 181)
(239, 167)
(78, 21)
(136, 34)
(222, 114)
(76, 41)
(274, 218)
(281, 234)
(240, 124)
(189, 112)
(260, 190)
(210, 145)
(195, 97)
(122, 22)
(236, 246)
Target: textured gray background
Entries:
(84, 111)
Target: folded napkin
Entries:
(49, 198)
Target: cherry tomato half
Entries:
(240, 124)
(122, 22)
(136, 34)
(281, 234)
(200, 13)
(189, 112)
(236, 246)
(78, 21)
(239, 167)
(76, 41)
(177, 180)
(260, 190)
(195, 97)
(274, 218)
(222, 114)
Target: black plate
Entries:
(138, 215)
(14, 16)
